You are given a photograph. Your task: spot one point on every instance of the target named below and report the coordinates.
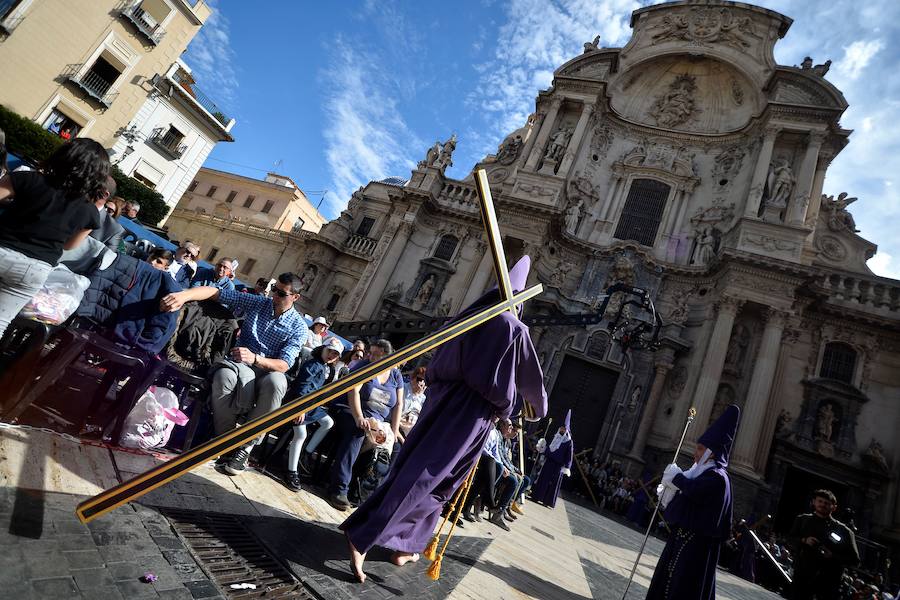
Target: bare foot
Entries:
(401, 558)
(356, 562)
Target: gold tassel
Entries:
(434, 571)
(431, 549)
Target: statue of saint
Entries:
(825, 421)
(706, 247)
(425, 291)
(780, 184)
(573, 215)
(557, 145)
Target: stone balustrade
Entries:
(873, 292)
(459, 197)
(268, 233)
(360, 245)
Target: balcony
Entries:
(145, 23)
(187, 83)
(360, 245)
(8, 19)
(168, 143)
(95, 86)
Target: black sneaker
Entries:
(497, 519)
(339, 501)
(292, 481)
(237, 463)
(307, 463)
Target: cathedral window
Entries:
(365, 226)
(333, 302)
(838, 362)
(643, 211)
(446, 247)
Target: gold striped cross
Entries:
(134, 488)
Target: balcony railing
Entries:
(145, 23)
(870, 292)
(359, 244)
(168, 143)
(201, 98)
(95, 86)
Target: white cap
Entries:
(320, 320)
(335, 344)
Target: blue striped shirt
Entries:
(262, 332)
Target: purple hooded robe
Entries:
(546, 488)
(700, 517)
(471, 378)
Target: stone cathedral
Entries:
(690, 164)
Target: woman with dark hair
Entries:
(47, 211)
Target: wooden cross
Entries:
(158, 476)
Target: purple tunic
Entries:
(700, 517)
(471, 378)
(546, 488)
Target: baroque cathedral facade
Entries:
(690, 164)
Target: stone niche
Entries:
(828, 418)
(685, 93)
(425, 293)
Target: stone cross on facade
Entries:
(158, 476)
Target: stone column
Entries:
(483, 271)
(678, 199)
(758, 183)
(372, 296)
(754, 414)
(664, 364)
(805, 180)
(615, 180)
(532, 135)
(575, 140)
(713, 361)
(544, 134)
(815, 197)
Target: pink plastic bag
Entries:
(151, 421)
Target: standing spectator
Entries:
(312, 376)
(45, 213)
(131, 210)
(184, 267)
(381, 398)
(220, 278)
(823, 547)
(252, 382)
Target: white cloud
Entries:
(857, 56)
(366, 137)
(211, 57)
(883, 264)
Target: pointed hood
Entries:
(719, 437)
(518, 277)
(567, 423)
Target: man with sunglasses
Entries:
(252, 382)
(184, 267)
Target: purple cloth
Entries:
(546, 488)
(471, 378)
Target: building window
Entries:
(365, 226)
(333, 302)
(247, 266)
(59, 124)
(99, 79)
(643, 211)
(446, 247)
(231, 196)
(193, 185)
(212, 190)
(838, 362)
(170, 141)
(298, 225)
(249, 201)
(268, 206)
(147, 17)
(144, 179)
(211, 255)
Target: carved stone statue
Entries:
(822, 69)
(431, 156)
(737, 348)
(635, 397)
(839, 218)
(558, 276)
(807, 63)
(875, 453)
(780, 184)
(425, 292)
(706, 247)
(509, 150)
(308, 276)
(573, 215)
(783, 422)
(677, 105)
(825, 420)
(444, 309)
(445, 156)
(395, 291)
(558, 142)
(591, 46)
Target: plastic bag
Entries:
(151, 421)
(59, 297)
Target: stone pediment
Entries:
(596, 64)
(790, 85)
(685, 93)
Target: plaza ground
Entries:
(568, 553)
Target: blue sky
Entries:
(356, 91)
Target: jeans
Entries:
(269, 388)
(20, 279)
(511, 483)
(349, 441)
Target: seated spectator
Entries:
(220, 278)
(484, 488)
(110, 231)
(45, 213)
(312, 376)
(380, 398)
(252, 382)
(113, 206)
(318, 334)
(184, 267)
(161, 259)
(261, 288)
(131, 210)
(341, 367)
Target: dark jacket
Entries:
(205, 335)
(124, 299)
(109, 232)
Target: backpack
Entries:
(374, 472)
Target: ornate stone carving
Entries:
(558, 276)
(600, 141)
(444, 309)
(508, 150)
(310, 272)
(831, 247)
(783, 423)
(395, 292)
(820, 70)
(779, 184)
(679, 299)
(771, 244)
(557, 145)
(727, 165)
(426, 289)
(573, 215)
(536, 190)
(592, 46)
(825, 421)
(837, 215)
(445, 157)
(737, 92)
(702, 26)
(430, 156)
(875, 454)
(729, 304)
(706, 247)
(737, 348)
(677, 104)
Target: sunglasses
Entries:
(418, 378)
(281, 293)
